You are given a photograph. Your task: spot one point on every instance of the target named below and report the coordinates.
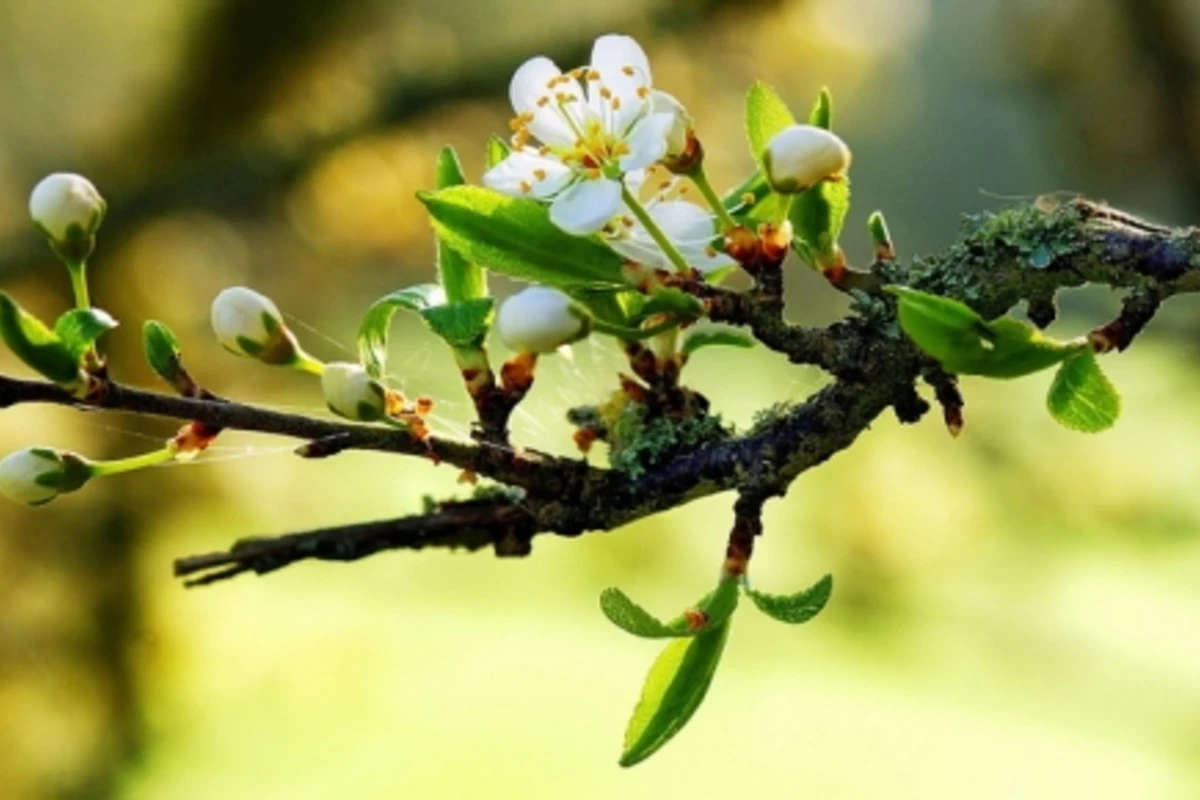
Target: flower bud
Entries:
(37, 475)
(248, 324)
(538, 320)
(801, 156)
(684, 152)
(69, 210)
(351, 393)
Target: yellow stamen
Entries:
(628, 71)
(539, 174)
(526, 187)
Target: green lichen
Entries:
(639, 443)
(764, 418)
(498, 492)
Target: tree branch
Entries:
(1024, 253)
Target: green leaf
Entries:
(35, 344)
(715, 337)
(614, 308)
(162, 350)
(461, 279)
(632, 618)
(497, 151)
(766, 115)
(966, 344)
(373, 332)
(821, 115)
(1081, 396)
(674, 689)
(515, 236)
(719, 604)
(817, 218)
(461, 324)
(795, 608)
(79, 329)
(673, 301)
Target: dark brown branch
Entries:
(470, 526)
(524, 468)
(874, 366)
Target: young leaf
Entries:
(461, 324)
(79, 328)
(715, 337)
(632, 618)
(35, 344)
(373, 332)
(516, 237)
(795, 608)
(818, 215)
(966, 344)
(497, 151)
(1081, 397)
(766, 115)
(461, 279)
(162, 350)
(674, 689)
(817, 218)
(719, 604)
(821, 115)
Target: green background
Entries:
(1014, 612)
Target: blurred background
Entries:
(1014, 612)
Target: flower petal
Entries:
(537, 79)
(641, 250)
(625, 71)
(684, 223)
(524, 173)
(647, 141)
(586, 206)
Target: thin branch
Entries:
(875, 368)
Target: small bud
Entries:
(69, 210)
(538, 320)
(351, 393)
(801, 156)
(37, 475)
(684, 152)
(249, 324)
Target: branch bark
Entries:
(1027, 253)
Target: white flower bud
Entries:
(64, 201)
(351, 393)
(249, 324)
(37, 475)
(801, 156)
(538, 320)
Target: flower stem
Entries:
(101, 468)
(306, 363)
(78, 272)
(633, 334)
(656, 233)
(700, 178)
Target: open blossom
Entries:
(691, 228)
(593, 124)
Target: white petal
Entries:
(586, 206)
(625, 71)
(526, 174)
(647, 141)
(641, 250)
(530, 84)
(683, 222)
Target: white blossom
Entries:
(690, 227)
(594, 124)
(538, 320)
